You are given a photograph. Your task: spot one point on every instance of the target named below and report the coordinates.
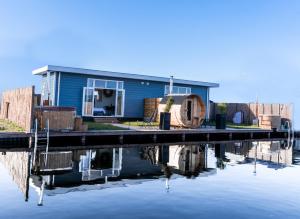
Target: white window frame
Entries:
(116, 89)
(49, 82)
(188, 90)
(105, 84)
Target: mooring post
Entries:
(154, 138)
(83, 140)
(121, 139)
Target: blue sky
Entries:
(251, 48)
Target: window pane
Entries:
(100, 83)
(90, 82)
(167, 89)
(182, 90)
(120, 85)
(111, 84)
(119, 103)
(88, 102)
(175, 90)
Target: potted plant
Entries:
(221, 116)
(165, 117)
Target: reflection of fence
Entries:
(17, 163)
(251, 111)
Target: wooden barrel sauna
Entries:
(186, 111)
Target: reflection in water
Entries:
(83, 170)
(18, 165)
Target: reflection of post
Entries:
(163, 158)
(40, 203)
(278, 149)
(220, 151)
(255, 158)
(163, 154)
(167, 184)
(206, 151)
(27, 178)
(220, 155)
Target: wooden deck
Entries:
(122, 138)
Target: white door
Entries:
(120, 97)
(88, 102)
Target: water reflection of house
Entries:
(74, 168)
(101, 163)
(17, 163)
(58, 162)
(92, 169)
(187, 160)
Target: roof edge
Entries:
(46, 68)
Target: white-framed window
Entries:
(178, 90)
(105, 84)
(98, 103)
(48, 89)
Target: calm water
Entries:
(236, 180)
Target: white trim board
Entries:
(54, 68)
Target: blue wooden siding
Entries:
(71, 92)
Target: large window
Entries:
(105, 84)
(48, 89)
(103, 98)
(178, 90)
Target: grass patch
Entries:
(102, 126)
(139, 123)
(235, 126)
(211, 123)
(7, 126)
(242, 126)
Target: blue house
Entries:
(97, 93)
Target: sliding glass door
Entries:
(88, 102)
(120, 102)
(103, 98)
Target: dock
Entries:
(80, 140)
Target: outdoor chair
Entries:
(148, 122)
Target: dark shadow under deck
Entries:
(79, 140)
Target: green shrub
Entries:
(169, 104)
(222, 108)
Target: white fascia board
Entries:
(43, 70)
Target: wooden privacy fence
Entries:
(251, 111)
(17, 106)
(21, 106)
(59, 117)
